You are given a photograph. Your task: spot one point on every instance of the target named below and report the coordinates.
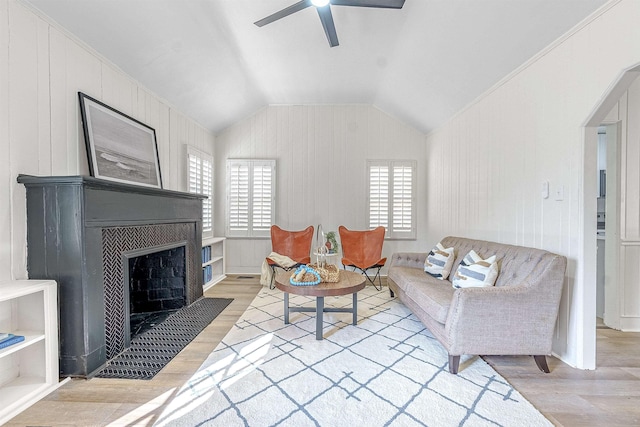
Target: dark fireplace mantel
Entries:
(77, 230)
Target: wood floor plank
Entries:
(609, 395)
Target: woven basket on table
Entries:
(329, 273)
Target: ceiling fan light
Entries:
(320, 3)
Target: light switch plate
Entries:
(559, 193)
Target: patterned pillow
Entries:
(439, 262)
(474, 271)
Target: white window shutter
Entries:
(238, 197)
(207, 189)
(378, 196)
(194, 173)
(200, 181)
(250, 197)
(402, 199)
(391, 198)
(262, 198)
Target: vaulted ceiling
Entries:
(422, 63)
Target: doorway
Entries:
(607, 221)
(601, 175)
(614, 112)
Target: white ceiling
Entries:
(422, 63)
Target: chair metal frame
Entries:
(364, 271)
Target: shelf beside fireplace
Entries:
(29, 369)
(213, 267)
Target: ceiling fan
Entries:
(324, 11)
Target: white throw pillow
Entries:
(474, 271)
(439, 262)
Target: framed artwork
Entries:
(119, 147)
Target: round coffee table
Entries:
(349, 283)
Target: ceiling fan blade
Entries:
(327, 23)
(297, 7)
(386, 4)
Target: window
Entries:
(391, 202)
(200, 181)
(250, 197)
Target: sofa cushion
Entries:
(439, 261)
(406, 277)
(473, 271)
(433, 296)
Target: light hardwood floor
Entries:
(608, 396)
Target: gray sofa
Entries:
(517, 316)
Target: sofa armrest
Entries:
(408, 259)
(501, 320)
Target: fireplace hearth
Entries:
(84, 232)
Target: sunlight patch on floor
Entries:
(142, 415)
(223, 374)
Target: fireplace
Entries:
(84, 233)
(156, 280)
(119, 245)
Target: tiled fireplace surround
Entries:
(127, 243)
(81, 232)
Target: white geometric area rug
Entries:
(386, 371)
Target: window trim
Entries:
(208, 202)
(250, 232)
(391, 164)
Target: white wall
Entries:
(41, 70)
(321, 154)
(486, 166)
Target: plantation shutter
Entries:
(200, 181)
(207, 189)
(402, 199)
(262, 197)
(391, 198)
(195, 173)
(250, 200)
(378, 196)
(238, 222)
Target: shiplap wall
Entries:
(321, 154)
(41, 70)
(487, 165)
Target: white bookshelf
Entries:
(214, 262)
(29, 369)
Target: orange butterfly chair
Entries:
(293, 244)
(362, 250)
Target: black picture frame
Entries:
(119, 147)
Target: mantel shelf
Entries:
(91, 182)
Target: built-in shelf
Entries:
(30, 337)
(28, 369)
(213, 268)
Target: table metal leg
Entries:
(286, 308)
(355, 308)
(319, 313)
